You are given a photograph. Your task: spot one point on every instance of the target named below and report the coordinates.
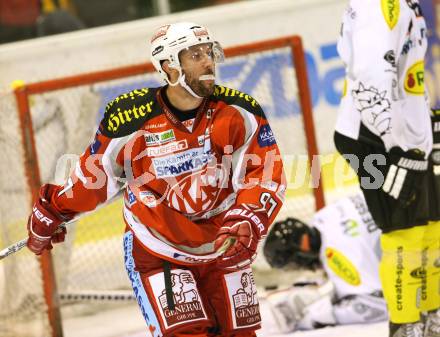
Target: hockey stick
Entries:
(225, 246)
(15, 247)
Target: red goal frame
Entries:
(31, 159)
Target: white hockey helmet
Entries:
(169, 40)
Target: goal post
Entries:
(60, 116)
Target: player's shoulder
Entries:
(389, 13)
(128, 112)
(234, 97)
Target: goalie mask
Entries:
(292, 243)
(170, 40)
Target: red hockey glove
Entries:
(243, 227)
(44, 221)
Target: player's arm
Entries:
(378, 97)
(373, 67)
(95, 179)
(259, 181)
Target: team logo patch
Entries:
(418, 273)
(94, 147)
(374, 107)
(342, 266)
(189, 123)
(162, 31)
(159, 137)
(266, 136)
(200, 31)
(390, 11)
(245, 310)
(198, 191)
(172, 147)
(148, 198)
(187, 301)
(131, 197)
(415, 79)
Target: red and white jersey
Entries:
(383, 45)
(180, 181)
(350, 249)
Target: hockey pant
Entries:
(200, 300)
(410, 271)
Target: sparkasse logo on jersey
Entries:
(180, 163)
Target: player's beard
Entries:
(200, 85)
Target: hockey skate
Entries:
(432, 325)
(406, 330)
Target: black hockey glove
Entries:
(405, 174)
(435, 120)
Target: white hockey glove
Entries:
(299, 307)
(405, 175)
(360, 309)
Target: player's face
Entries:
(198, 65)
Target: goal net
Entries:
(65, 113)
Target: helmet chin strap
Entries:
(187, 87)
(182, 82)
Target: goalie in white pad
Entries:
(344, 240)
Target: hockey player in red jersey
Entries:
(203, 182)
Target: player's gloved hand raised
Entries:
(243, 227)
(44, 221)
(405, 175)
